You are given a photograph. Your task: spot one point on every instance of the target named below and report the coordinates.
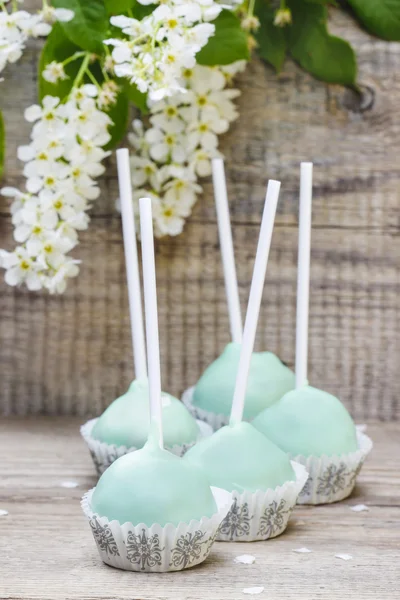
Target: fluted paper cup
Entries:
(262, 515)
(103, 454)
(332, 478)
(156, 549)
(215, 420)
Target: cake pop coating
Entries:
(126, 421)
(151, 486)
(309, 422)
(269, 379)
(239, 458)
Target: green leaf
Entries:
(119, 113)
(228, 44)
(138, 98)
(2, 144)
(89, 26)
(131, 7)
(380, 17)
(325, 56)
(119, 7)
(271, 39)
(57, 47)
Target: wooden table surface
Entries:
(47, 551)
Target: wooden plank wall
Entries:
(71, 354)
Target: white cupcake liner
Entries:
(263, 514)
(103, 454)
(156, 549)
(332, 478)
(216, 421)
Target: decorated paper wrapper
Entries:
(264, 514)
(103, 454)
(332, 478)
(156, 549)
(216, 421)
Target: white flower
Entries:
(162, 45)
(145, 170)
(181, 190)
(200, 163)
(107, 95)
(166, 115)
(20, 268)
(164, 144)
(61, 162)
(204, 132)
(34, 26)
(56, 283)
(35, 223)
(168, 219)
(54, 71)
(51, 14)
(129, 26)
(181, 141)
(283, 17)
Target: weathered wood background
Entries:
(71, 354)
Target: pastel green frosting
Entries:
(269, 379)
(126, 421)
(153, 486)
(309, 422)
(239, 458)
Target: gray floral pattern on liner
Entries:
(263, 514)
(143, 550)
(189, 549)
(274, 519)
(156, 549)
(237, 522)
(104, 538)
(332, 479)
(103, 454)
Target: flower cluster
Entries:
(183, 138)
(159, 47)
(61, 163)
(17, 26)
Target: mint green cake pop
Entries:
(126, 421)
(309, 422)
(239, 458)
(153, 486)
(269, 379)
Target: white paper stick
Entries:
(303, 273)
(253, 308)
(228, 258)
(132, 264)
(150, 304)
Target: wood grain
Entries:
(71, 354)
(48, 552)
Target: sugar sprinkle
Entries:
(301, 550)
(245, 559)
(253, 590)
(344, 556)
(3, 513)
(69, 484)
(359, 507)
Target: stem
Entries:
(82, 70)
(250, 12)
(283, 4)
(92, 78)
(73, 57)
(105, 74)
